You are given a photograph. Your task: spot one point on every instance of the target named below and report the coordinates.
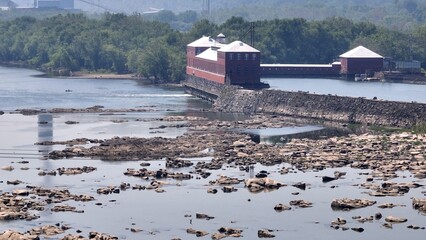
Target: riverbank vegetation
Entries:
(122, 43)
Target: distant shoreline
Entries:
(102, 76)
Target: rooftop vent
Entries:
(221, 38)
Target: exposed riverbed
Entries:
(166, 206)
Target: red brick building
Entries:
(360, 60)
(235, 64)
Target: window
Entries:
(231, 56)
(253, 56)
(239, 56)
(246, 56)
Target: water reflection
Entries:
(286, 134)
(45, 132)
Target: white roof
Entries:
(208, 54)
(221, 35)
(360, 52)
(238, 46)
(205, 41)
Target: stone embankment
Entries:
(326, 107)
(308, 105)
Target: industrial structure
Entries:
(301, 70)
(59, 4)
(236, 63)
(357, 61)
(6, 5)
(360, 60)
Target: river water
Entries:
(381, 90)
(162, 215)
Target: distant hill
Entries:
(401, 15)
(394, 14)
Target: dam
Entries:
(229, 76)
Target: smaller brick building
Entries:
(360, 60)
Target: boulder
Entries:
(259, 184)
(198, 233)
(419, 204)
(7, 168)
(281, 207)
(203, 216)
(10, 234)
(338, 221)
(347, 204)
(393, 219)
(301, 203)
(263, 233)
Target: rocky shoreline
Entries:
(382, 156)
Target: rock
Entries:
(65, 208)
(197, 233)
(11, 215)
(301, 203)
(228, 189)
(178, 163)
(365, 219)
(46, 230)
(212, 190)
(386, 205)
(387, 225)
(259, 184)
(224, 180)
(300, 185)
(71, 122)
(7, 168)
(49, 173)
(393, 219)
(419, 204)
(101, 236)
(12, 235)
(21, 192)
(338, 174)
(338, 221)
(347, 204)
(326, 179)
(281, 207)
(108, 190)
(358, 229)
(203, 216)
(239, 144)
(15, 182)
(72, 237)
(217, 236)
(265, 234)
(76, 170)
(230, 231)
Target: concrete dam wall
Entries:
(302, 104)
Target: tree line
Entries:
(133, 44)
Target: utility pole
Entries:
(251, 31)
(206, 8)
